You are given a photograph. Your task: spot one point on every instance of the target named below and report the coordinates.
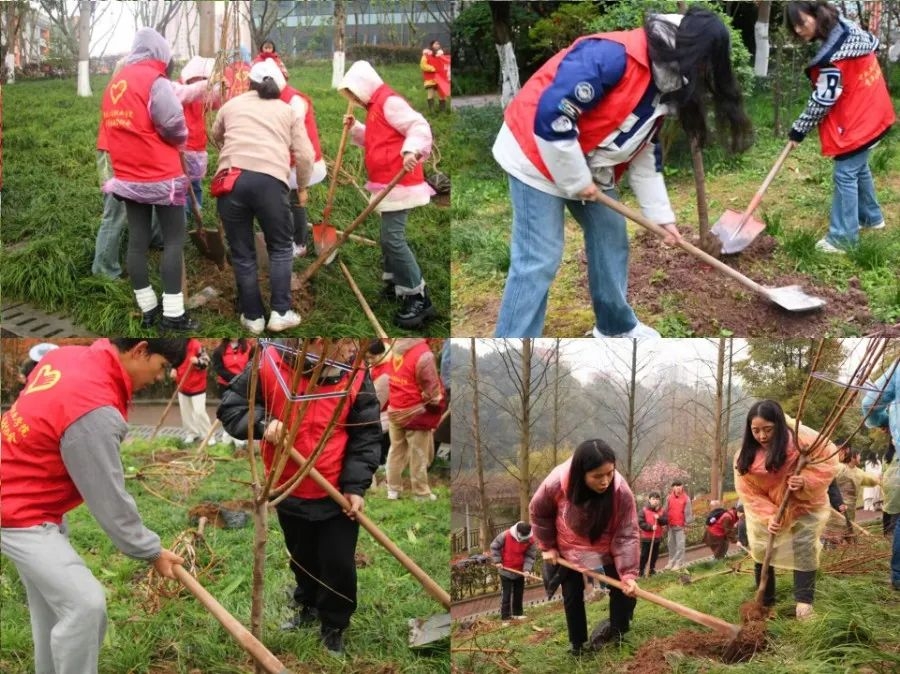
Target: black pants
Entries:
(385, 448)
(511, 591)
(621, 608)
(322, 559)
(299, 216)
(171, 222)
(804, 585)
(645, 554)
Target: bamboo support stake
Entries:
(379, 331)
(171, 401)
(212, 429)
(524, 574)
(247, 641)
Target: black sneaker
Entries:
(415, 311)
(604, 634)
(389, 292)
(305, 617)
(149, 318)
(333, 639)
(183, 323)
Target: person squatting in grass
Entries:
(259, 134)
(763, 477)
(320, 538)
(394, 137)
(652, 520)
(584, 512)
(144, 126)
(721, 528)
(588, 114)
(513, 549)
(852, 109)
(61, 443)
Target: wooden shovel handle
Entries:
(704, 619)
(241, 634)
(338, 160)
(174, 393)
(435, 590)
(639, 219)
(524, 574)
(754, 202)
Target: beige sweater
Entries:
(259, 134)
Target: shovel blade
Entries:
(324, 237)
(427, 632)
(210, 245)
(733, 238)
(794, 298)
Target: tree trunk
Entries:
(338, 60)
(525, 441)
(84, 49)
(486, 528)
(509, 69)
(715, 473)
(257, 599)
(761, 33)
(207, 28)
(726, 424)
(556, 405)
(632, 394)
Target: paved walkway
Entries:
(474, 101)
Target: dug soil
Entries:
(663, 654)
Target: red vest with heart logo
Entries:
(383, 143)
(66, 384)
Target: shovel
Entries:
(324, 233)
(792, 298)
(736, 230)
(210, 242)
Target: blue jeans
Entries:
(197, 186)
(895, 554)
(854, 204)
(536, 250)
(399, 262)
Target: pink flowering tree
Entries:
(658, 476)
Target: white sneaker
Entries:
(299, 251)
(804, 611)
(880, 225)
(639, 331)
(426, 497)
(278, 322)
(518, 617)
(823, 246)
(393, 495)
(254, 327)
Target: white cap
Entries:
(38, 351)
(198, 66)
(260, 71)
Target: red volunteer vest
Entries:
(441, 74)
(862, 112)
(513, 556)
(596, 124)
(718, 527)
(383, 144)
(102, 142)
(234, 361)
(312, 129)
(651, 517)
(65, 385)
(138, 152)
(676, 514)
(195, 117)
(196, 380)
(318, 413)
(405, 392)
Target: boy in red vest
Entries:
(319, 536)
(416, 402)
(652, 522)
(61, 448)
(190, 377)
(852, 108)
(721, 528)
(680, 514)
(513, 549)
(394, 137)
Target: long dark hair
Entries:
(825, 14)
(267, 89)
(777, 453)
(242, 343)
(597, 508)
(702, 50)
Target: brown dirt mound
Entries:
(213, 511)
(663, 280)
(657, 655)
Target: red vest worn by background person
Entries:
(66, 384)
(597, 123)
(513, 556)
(405, 391)
(862, 112)
(138, 152)
(195, 117)
(651, 517)
(441, 74)
(717, 528)
(384, 142)
(312, 129)
(676, 514)
(196, 379)
(234, 360)
(318, 413)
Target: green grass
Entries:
(795, 209)
(854, 628)
(182, 637)
(52, 207)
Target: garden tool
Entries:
(704, 619)
(792, 298)
(324, 233)
(241, 634)
(165, 413)
(210, 242)
(422, 632)
(736, 230)
(650, 556)
(524, 574)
